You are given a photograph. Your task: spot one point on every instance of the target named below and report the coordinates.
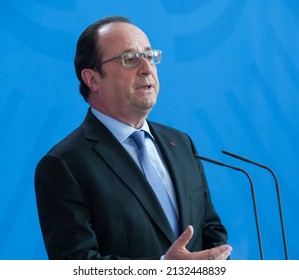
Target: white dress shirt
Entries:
(122, 133)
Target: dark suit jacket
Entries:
(94, 202)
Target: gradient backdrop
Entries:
(229, 77)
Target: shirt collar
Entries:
(119, 129)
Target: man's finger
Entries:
(184, 238)
(220, 253)
(225, 252)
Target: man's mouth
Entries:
(145, 86)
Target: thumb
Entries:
(184, 238)
(178, 250)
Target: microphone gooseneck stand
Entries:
(277, 193)
(252, 193)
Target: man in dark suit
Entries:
(94, 197)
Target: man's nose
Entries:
(145, 67)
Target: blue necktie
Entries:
(155, 181)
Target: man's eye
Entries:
(129, 58)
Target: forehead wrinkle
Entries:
(131, 38)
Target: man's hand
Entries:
(178, 251)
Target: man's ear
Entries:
(91, 79)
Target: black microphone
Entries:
(277, 193)
(252, 193)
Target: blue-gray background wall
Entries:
(229, 77)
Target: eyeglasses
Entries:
(132, 59)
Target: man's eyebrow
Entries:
(133, 50)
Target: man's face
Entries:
(125, 93)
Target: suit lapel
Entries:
(113, 153)
(171, 153)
